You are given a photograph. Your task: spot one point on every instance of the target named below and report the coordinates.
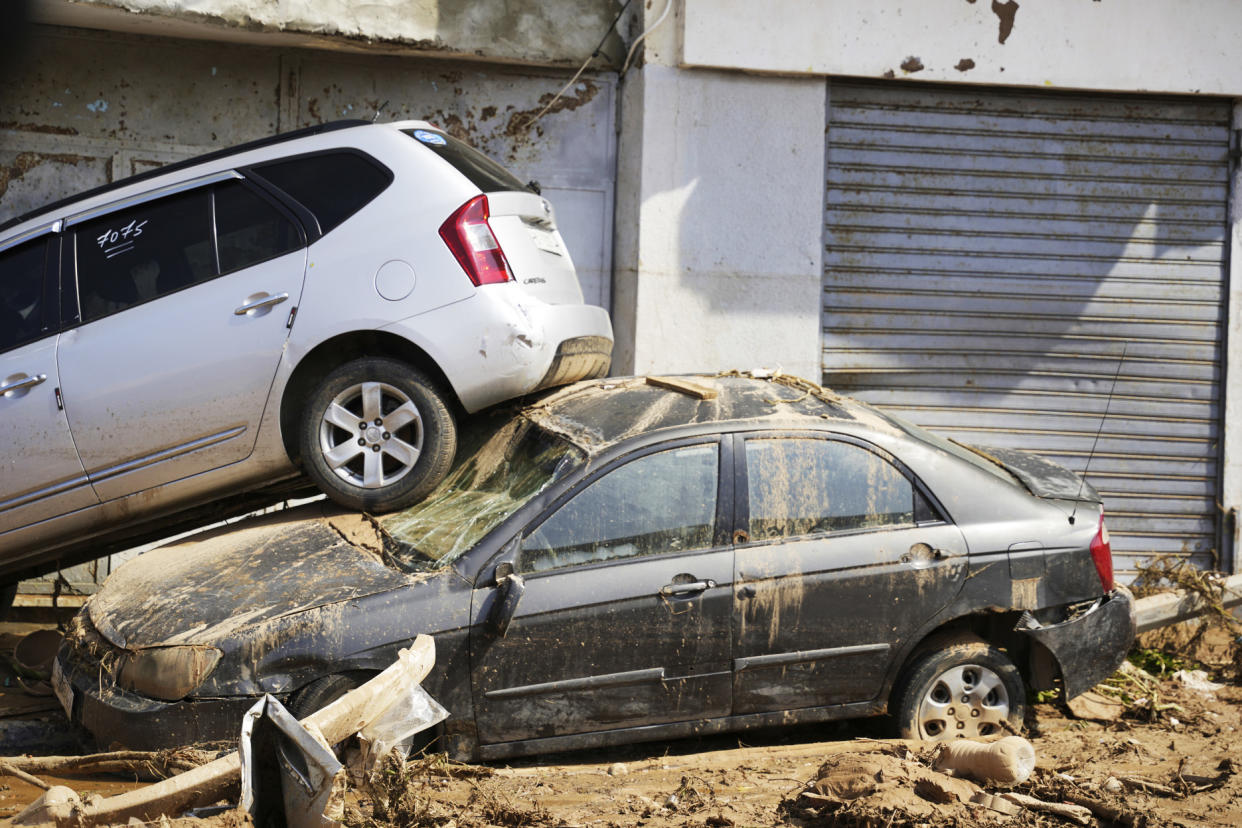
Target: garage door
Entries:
(1003, 267)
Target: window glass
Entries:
(662, 502)
(249, 230)
(800, 487)
(135, 255)
(495, 473)
(482, 171)
(332, 185)
(21, 293)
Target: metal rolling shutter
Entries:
(988, 252)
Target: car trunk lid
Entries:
(1042, 477)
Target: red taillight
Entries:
(1102, 555)
(472, 241)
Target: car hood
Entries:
(209, 586)
(1042, 477)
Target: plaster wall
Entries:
(719, 237)
(1134, 45)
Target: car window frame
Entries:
(313, 230)
(741, 487)
(69, 277)
(277, 204)
(510, 550)
(49, 302)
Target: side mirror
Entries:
(509, 589)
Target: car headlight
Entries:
(167, 673)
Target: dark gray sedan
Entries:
(636, 559)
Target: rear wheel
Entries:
(377, 435)
(964, 690)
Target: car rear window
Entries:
(332, 185)
(482, 171)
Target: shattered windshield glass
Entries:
(486, 486)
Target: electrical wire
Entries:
(584, 65)
(667, 8)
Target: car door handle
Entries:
(24, 382)
(261, 302)
(687, 589)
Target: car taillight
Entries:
(472, 241)
(1102, 555)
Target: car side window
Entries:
(658, 503)
(250, 230)
(22, 270)
(138, 253)
(808, 486)
(332, 185)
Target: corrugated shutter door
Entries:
(989, 252)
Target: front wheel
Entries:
(964, 690)
(377, 435)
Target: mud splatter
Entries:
(521, 122)
(27, 161)
(1006, 11)
(965, 65)
(46, 129)
(911, 65)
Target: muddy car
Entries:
(636, 559)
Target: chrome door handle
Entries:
(687, 589)
(257, 304)
(25, 382)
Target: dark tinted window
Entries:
(332, 185)
(137, 254)
(802, 487)
(482, 171)
(249, 230)
(662, 502)
(21, 293)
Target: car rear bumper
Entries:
(500, 343)
(1090, 645)
(118, 717)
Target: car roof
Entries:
(597, 414)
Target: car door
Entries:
(625, 615)
(41, 476)
(184, 303)
(843, 557)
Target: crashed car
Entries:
(635, 559)
(178, 347)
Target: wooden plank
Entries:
(682, 386)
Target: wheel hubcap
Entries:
(371, 435)
(963, 702)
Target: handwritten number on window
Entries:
(129, 232)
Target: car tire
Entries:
(376, 435)
(965, 689)
(320, 693)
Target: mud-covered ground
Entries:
(1173, 757)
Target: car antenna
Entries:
(378, 110)
(1107, 404)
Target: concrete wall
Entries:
(719, 238)
(518, 31)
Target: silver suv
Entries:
(177, 344)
